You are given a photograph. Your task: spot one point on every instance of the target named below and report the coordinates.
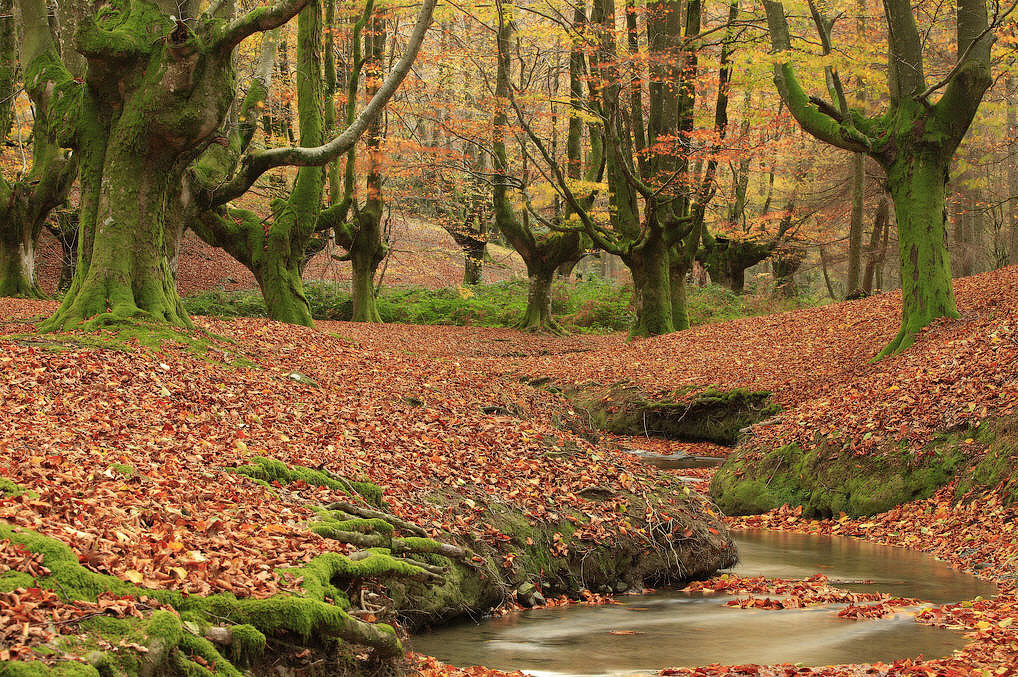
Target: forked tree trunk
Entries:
(144, 114)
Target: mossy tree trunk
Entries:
(918, 186)
(649, 265)
(542, 253)
(159, 84)
(26, 203)
(367, 248)
(537, 317)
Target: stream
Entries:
(688, 629)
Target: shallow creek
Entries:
(683, 629)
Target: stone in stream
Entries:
(675, 461)
(529, 596)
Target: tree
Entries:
(25, 203)
(362, 237)
(914, 140)
(542, 252)
(158, 92)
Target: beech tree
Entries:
(26, 201)
(157, 95)
(914, 139)
(543, 251)
(361, 236)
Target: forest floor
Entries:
(122, 449)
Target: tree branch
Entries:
(256, 21)
(812, 119)
(253, 166)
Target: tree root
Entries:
(368, 513)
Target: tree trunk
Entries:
(17, 257)
(877, 250)
(1012, 169)
(855, 229)
(827, 274)
(124, 267)
(784, 264)
(538, 317)
(649, 265)
(363, 283)
(143, 115)
(917, 183)
(738, 279)
(473, 261)
(680, 308)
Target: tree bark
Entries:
(876, 252)
(649, 265)
(917, 182)
(538, 317)
(855, 229)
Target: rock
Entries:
(529, 596)
(301, 378)
(621, 587)
(675, 461)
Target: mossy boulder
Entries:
(829, 478)
(711, 414)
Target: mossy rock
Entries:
(996, 462)
(829, 479)
(711, 415)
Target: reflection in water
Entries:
(675, 628)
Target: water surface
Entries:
(683, 629)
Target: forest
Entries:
(514, 337)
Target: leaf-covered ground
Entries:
(124, 451)
(124, 454)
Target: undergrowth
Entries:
(592, 305)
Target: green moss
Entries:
(37, 669)
(271, 470)
(320, 611)
(190, 645)
(124, 469)
(12, 580)
(830, 480)
(11, 490)
(996, 467)
(248, 644)
(129, 334)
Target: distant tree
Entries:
(26, 202)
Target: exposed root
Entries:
(360, 511)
